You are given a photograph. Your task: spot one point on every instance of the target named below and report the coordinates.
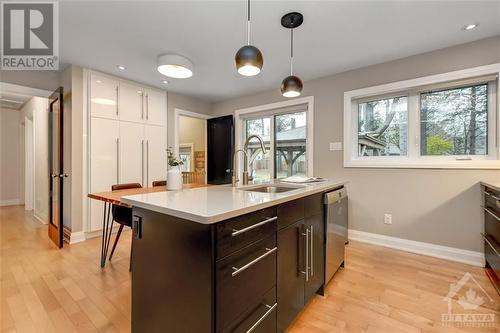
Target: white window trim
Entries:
(267, 109)
(413, 160)
(189, 145)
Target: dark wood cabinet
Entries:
(301, 256)
(316, 243)
(253, 272)
(491, 234)
(290, 273)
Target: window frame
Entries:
(270, 110)
(413, 88)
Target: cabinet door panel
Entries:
(156, 107)
(132, 148)
(156, 155)
(290, 279)
(103, 163)
(316, 255)
(131, 102)
(103, 97)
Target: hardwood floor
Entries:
(44, 289)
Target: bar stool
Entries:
(159, 183)
(122, 215)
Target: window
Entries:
(186, 156)
(426, 122)
(454, 121)
(383, 127)
(285, 132)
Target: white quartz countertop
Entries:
(492, 184)
(212, 204)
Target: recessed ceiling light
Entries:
(164, 81)
(174, 65)
(470, 26)
(120, 67)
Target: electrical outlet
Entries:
(335, 146)
(387, 218)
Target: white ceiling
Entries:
(336, 36)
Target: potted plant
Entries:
(174, 174)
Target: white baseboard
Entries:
(428, 249)
(77, 237)
(40, 219)
(11, 202)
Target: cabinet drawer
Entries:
(492, 224)
(492, 256)
(313, 204)
(492, 201)
(241, 231)
(243, 278)
(290, 212)
(259, 318)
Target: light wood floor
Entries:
(380, 290)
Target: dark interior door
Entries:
(220, 147)
(56, 130)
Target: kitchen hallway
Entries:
(44, 289)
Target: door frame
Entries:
(177, 114)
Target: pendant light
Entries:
(291, 86)
(248, 59)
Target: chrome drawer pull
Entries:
(491, 245)
(270, 309)
(253, 226)
(491, 213)
(492, 195)
(238, 270)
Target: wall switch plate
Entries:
(335, 146)
(387, 218)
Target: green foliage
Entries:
(436, 145)
(172, 159)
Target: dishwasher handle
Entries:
(335, 196)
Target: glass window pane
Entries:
(258, 163)
(454, 121)
(291, 154)
(383, 127)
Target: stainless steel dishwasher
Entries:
(336, 230)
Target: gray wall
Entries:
(435, 206)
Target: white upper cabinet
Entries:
(131, 102)
(156, 107)
(103, 97)
(103, 163)
(156, 155)
(132, 152)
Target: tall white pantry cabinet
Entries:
(128, 136)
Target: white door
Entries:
(156, 155)
(132, 152)
(131, 102)
(156, 107)
(103, 97)
(103, 163)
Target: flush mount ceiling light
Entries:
(470, 26)
(120, 67)
(248, 59)
(164, 81)
(291, 86)
(176, 66)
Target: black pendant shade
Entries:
(291, 86)
(249, 60)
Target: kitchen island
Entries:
(224, 259)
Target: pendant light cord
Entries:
(291, 51)
(248, 22)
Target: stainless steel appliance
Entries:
(336, 226)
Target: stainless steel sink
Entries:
(270, 189)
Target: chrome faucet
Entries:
(246, 178)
